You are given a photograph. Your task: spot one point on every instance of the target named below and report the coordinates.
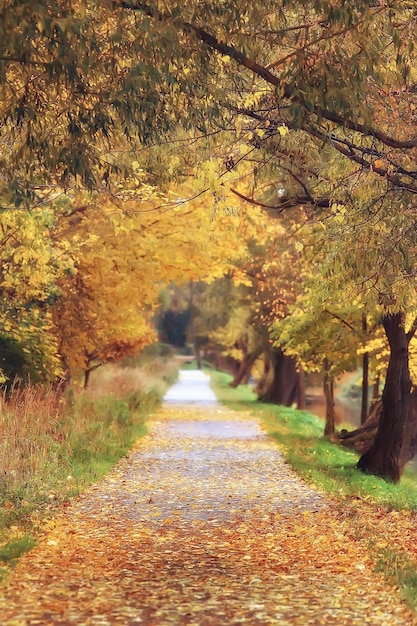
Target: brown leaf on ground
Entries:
(203, 524)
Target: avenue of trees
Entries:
(290, 124)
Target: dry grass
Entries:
(30, 420)
(47, 436)
(120, 381)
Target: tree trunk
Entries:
(328, 390)
(245, 367)
(86, 378)
(196, 349)
(262, 382)
(225, 364)
(197, 357)
(361, 438)
(301, 390)
(281, 385)
(384, 456)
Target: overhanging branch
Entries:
(269, 77)
(285, 202)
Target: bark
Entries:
(244, 370)
(281, 384)
(384, 458)
(86, 378)
(262, 382)
(197, 357)
(192, 328)
(408, 452)
(328, 390)
(301, 390)
(87, 373)
(196, 349)
(246, 378)
(361, 439)
(226, 364)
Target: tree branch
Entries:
(349, 150)
(226, 49)
(285, 202)
(412, 330)
(352, 328)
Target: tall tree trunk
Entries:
(384, 456)
(245, 367)
(281, 384)
(328, 390)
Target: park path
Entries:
(202, 524)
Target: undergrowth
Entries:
(54, 444)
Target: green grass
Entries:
(10, 552)
(106, 430)
(86, 443)
(329, 466)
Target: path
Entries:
(203, 524)
(192, 388)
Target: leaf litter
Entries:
(202, 524)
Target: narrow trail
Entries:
(201, 524)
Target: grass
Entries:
(14, 549)
(53, 445)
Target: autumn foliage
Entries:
(143, 145)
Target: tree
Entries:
(121, 262)
(239, 337)
(332, 342)
(321, 108)
(384, 276)
(276, 272)
(390, 447)
(31, 265)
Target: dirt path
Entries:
(202, 524)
